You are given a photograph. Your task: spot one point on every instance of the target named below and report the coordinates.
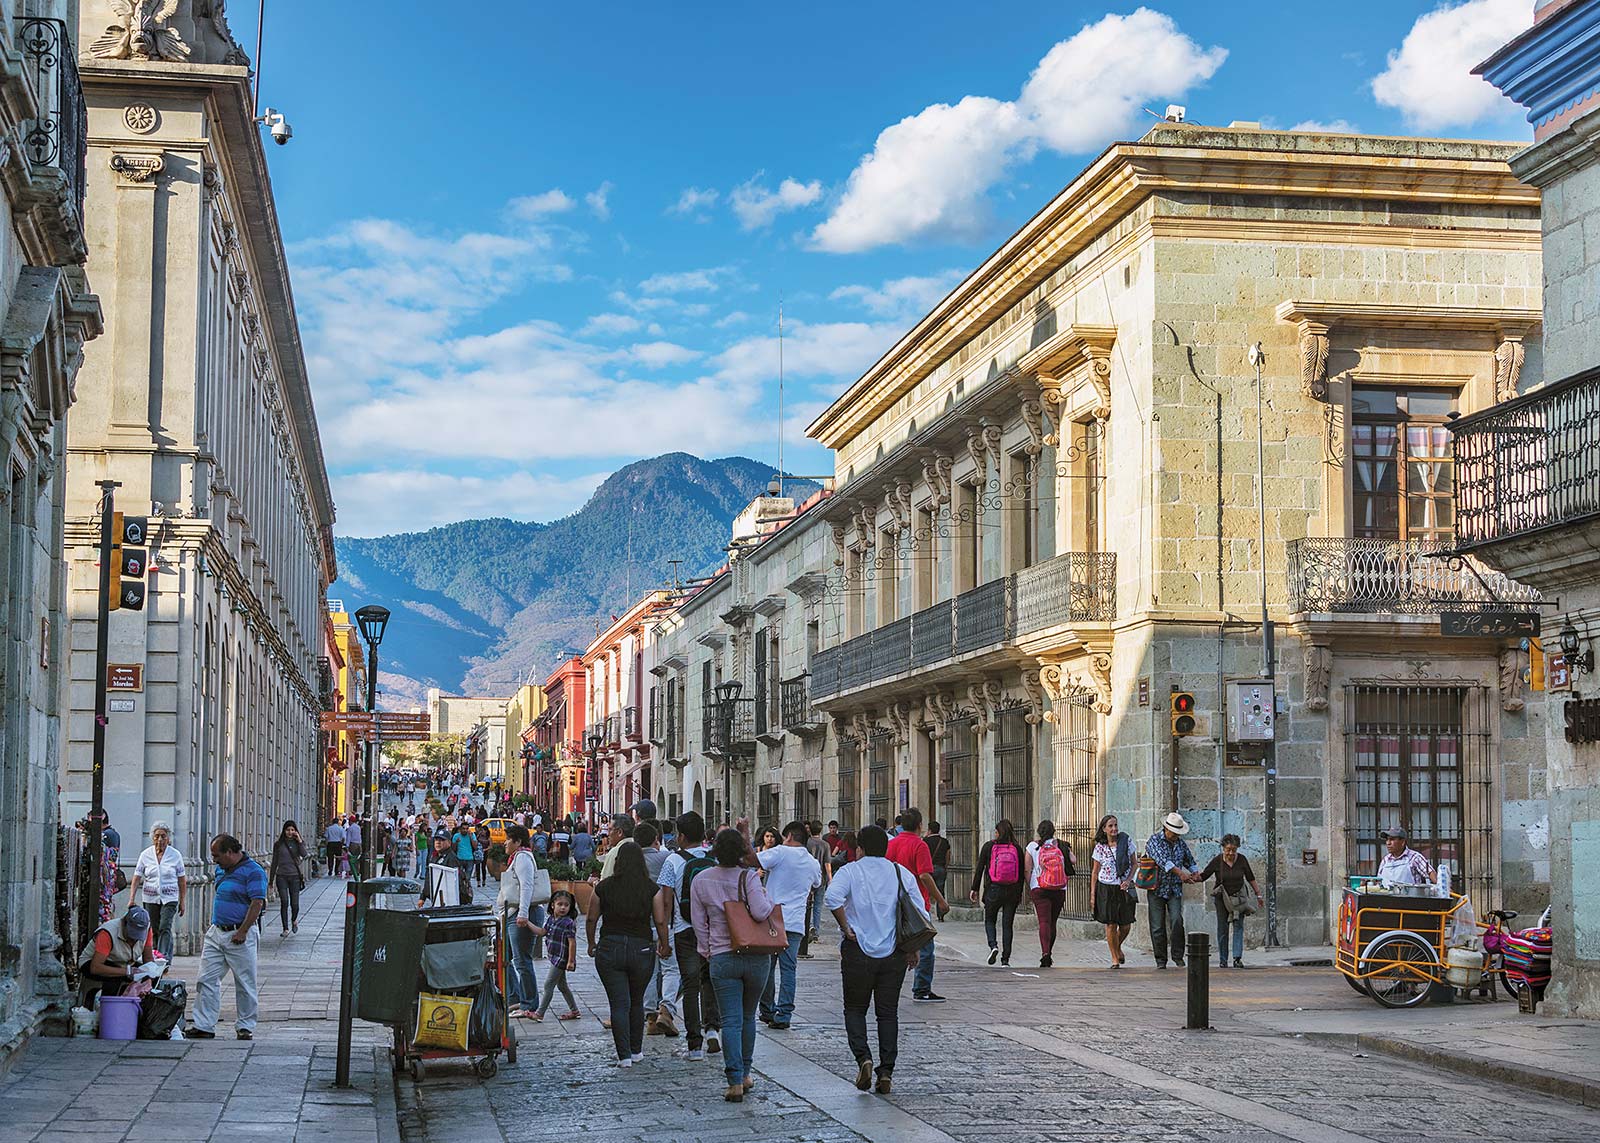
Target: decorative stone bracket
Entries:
(1092, 682)
(938, 710)
(985, 697)
(138, 167)
(1076, 354)
(899, 715)
(1510, 680)
(936, 471)
(1319, 668)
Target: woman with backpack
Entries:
(1111, 897)
(1050, 865)
(1003, 864)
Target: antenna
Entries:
(261, 26)
(780, 395)
(677, 584)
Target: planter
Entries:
(581, 892)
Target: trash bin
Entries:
(389, 951)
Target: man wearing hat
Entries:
(112, 959)
(442, 854)
(1170, 852)
(644, 810)
(1403, 865)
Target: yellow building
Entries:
(522, 710)
(348, 691)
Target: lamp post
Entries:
(372, 619)
(727, 695)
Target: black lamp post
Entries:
(372, 619)
(1571, 643)
(727, 695)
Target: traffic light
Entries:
(1182, 714)
(129, 561)
(1535, 664)
(573, 786)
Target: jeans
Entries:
(700, 1008)
(162, 918)
(554, 979)
(217, 958)
(922, 982)
(1001, 901)
(625, 964)
(288, 901)
(1047, 905)
(662, 994)
(876, 980)
(739, 980)
(1166, 926)
(940, 873)
(816, 909)
(522, 982)
(783, 966)
(1223, 921)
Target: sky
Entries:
(532, 242)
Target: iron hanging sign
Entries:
(1489, 624)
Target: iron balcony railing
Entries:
(1530, 463)
(630, 722)
(794, 704)
(1407, 577)
(730, 726)
(58, 139)
(985, 616)
(933, 633)
(613, 730)
(1075, 587)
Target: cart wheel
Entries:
(419, 1070)
(1399, 970)
(487, 1067)
(511, 1053)
(1355, 984)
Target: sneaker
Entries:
(1045, 961)
(1161, 964)
(1176, 963)
(1238, 962)
(883, 1085)
(638, 1057)
(690, 1054)
(928, 998)
(1223, 963)
(713, 1043)
(994, 955)
(864, 1075)
(627, 1063)
(193, 1033)
(244, 1034)
(1005, 962)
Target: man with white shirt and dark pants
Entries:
(864, 897)
(792, 873)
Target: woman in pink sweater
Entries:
(738, 978)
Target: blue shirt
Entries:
(235, 889)
(1169, 856)
(582, 847)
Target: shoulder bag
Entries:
(748, 935)
(911, 929)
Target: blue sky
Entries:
(534, 242)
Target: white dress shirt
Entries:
(791, 875)
(869, 890)
(158, 876)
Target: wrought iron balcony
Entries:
(58, 139)
(613, 730)
(795, 706)
(1529, 463)
(1395, 577)
(985, 616)
(1075, 587)
(729, 727)
(933, 634)
(630, 723)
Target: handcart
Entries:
(463, 949)
(1392, 942)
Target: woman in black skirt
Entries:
(1111, 896)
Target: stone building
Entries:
(346, 690)
(1047, 517)
(48, 313)
(1528, 494)
(463, 715)
(196, 399)
(619, 753)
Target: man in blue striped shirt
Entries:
(240, 893)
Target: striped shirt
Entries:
(235, 889)
(1409, 868)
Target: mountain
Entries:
(481, 604)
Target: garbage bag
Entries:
(162, 1010)
(487, 1027)
(452, 965)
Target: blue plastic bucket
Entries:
(119, 1017)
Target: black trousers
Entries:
(700, 1011)
(875, 980)
(289, 900)
(625, 965)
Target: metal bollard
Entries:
(347, 973)
(1199, 981)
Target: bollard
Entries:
(341, 1066)
(1199, 981)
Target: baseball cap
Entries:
(135, 924)
(1395, 831)
(644, 808)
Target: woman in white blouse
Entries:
(160, 885)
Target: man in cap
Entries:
(117, 953)
(442, 854)
(644, 810)
(1170, 852)
(1403, 865)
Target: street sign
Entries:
(1557, 672)
(1489, 624)
(124, 677)
(334, 721)
(121, 706)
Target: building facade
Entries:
(618, 750)
(560, 767)
(1048, 519)
(343, 749)
(196, 400)
(522, 712)
(1528, 493)
(484, 750)
(48, 313)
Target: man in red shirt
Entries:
(908, 848)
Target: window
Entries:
(1090, 436)
(849, 788)
(761, 685)
(1013, 758)
(1402, 495)
(880, 778)
(768, 808)
(958, 798)
(905, 566)
(966, 542)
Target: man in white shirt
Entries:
(792, 873)
(160, 884)
(864, 897)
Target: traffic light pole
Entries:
(90, 913)
(1268, 664)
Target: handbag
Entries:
(912, 930)
(748, 935)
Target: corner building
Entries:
(1046, 518)
(196, 399)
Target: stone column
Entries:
(133, 332)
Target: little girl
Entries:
(561, 941)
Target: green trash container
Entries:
(389, 953)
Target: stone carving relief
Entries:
(1100, 680)
(1319, 666)
(866, 522)
(939, 708)
(840, 544)
(141, 119)
(975, 450)
(215, 13)
(897, 499)
(1314, 360)
(1508, 359)
(1034, 690)
(936, 471)
(1051, 399)
(138, 168)
(985, 698)
(1030, 421)
(899, 714)
(1099, 359)
(861, 727)
(1510, 680)
(145, 33)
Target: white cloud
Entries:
(535, 205)
(660, 354)
(380, 503)
(607, 324)
(1429, 79)
(1331, 126)
(841, 350)
(599, 200)
(757, 205)
(694, 201)
(903, 298)
(737, 317)
(685, 281)
(927, 176)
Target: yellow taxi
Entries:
(497, 829)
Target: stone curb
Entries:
(386, 1107)
(1522, 1076)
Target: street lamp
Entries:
(372, 619)
(727, 695)
(1570, 642)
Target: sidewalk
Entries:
(193, 1091)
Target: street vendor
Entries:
(1402, 865)
(118, 954)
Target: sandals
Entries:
(571, 1016)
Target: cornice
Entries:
(1551, 66)
(1516, 320)
(1568, 151)
(1262, 230)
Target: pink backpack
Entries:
(1005, 867)
(1052, 866)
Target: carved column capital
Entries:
(1314, 359)
(138, 168)
(1508, 358)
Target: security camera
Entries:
(278, 126)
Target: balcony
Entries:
(1395, 577)
(57, 141)
(795, 707)
(729, 727)
(1528, 482)
(611, 734)
(1078, 587)
(630, 723)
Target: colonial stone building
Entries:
(197, 401)
(1528, 497)
(618, 749)
(1048, 518)
(48, 314)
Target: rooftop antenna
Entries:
(677, 584)
(780, 395)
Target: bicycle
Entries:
(1498, 937)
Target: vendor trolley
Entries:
(1392, 943)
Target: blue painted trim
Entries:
(1552, 66)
